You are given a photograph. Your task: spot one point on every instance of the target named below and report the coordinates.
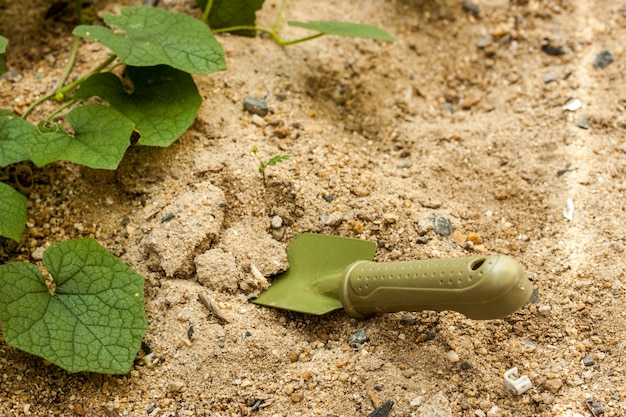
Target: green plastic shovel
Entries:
(327, 273)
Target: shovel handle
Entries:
(480, 287)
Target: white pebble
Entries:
(277, 222)
(452, 356)
(258, 120)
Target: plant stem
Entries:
(60, 92)
(79, 11)
(59, 110)
(279, 17)
(207, 11)
(70, 63)
(269, 32)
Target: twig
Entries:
(208, 303)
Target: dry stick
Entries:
(212, 308)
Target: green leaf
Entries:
(14, 134)
(101, 136)
(147, 36)
(3, 44)
(13, 209)
(229, 13)
(93, 321)
(162, 103)
(356, 30)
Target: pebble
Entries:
(258, 120)
(441, 225)
(332, 219)
(588, 360)
(357, 339)
(603, 59)
(296, 397)
(383, 410)
(595, 407)
(256, 106)
(472, 8)
(553, 385)
(276, 222)
(572, 105)
(408, 318)
(452, 356)
(582, 122)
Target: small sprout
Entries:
(272, 161)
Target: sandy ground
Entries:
(463, 118)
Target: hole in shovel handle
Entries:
(477, 264)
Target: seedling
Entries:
(270, 162)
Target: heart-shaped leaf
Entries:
(101, 136)
(148, 36)
(13, 209)
(14, 134)
(93, 321)
(163, 101)
(229, 13)
(356, 30)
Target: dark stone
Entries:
(256, 106)
(603, 59)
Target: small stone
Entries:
(588, 360)
(37, 254)
(294, 357)
(474, 238)
(458, 237)
(343, 377)
(333, 219)
(296, 397)
(469, 102)
(408, 318)
(572, 105)
(357, 339)
(484, 42)
(276, 222)
(358, 227)
(553, 385)
(441, 225)
(256, 106)
(551, 49)
(501, 30)
(383, 410)
(472, 8)
(176, 386)
(582, 122)
(603, 59)
(494, 412)
(258, 120)
(452, 356)
(595, 407)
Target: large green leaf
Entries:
(229, 13)
(93, 321)
(14, 134)
(101, 136)
(357, 30)
(147, 36)
(13, 209)
(162, 103)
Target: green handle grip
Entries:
(480, 287)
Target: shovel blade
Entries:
(316, 264)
